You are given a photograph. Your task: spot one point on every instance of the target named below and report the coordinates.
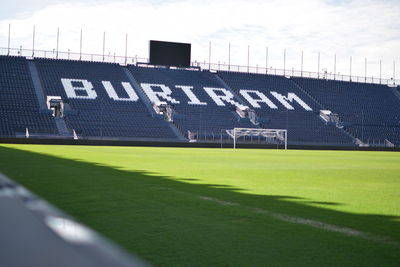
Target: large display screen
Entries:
(170, 53)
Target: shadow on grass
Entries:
(173, 223)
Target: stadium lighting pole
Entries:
(266, 60)
(229, 57)
(248, 58)
(80, 46)
(126, 47)
(284, 62)
(104, 43)
(380, 71)
(365, 69)
(319, 61)
(351, 63)
(58, 39)
(334, 68)
(209, 56)
(394, 71)
(33, 41)
(301, 67)
(9, 39)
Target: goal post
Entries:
(273, 135)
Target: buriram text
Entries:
(162, 94)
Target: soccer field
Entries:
(224, 207)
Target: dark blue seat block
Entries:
(204, 118)
(102, 116)
(302, 125)
(372, 110)
(19, 107)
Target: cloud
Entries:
(359, 28)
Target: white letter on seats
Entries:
(291, 97)
(192, 97)
(254, 102)
(154, 96)
(70, 90)
(132, 96)
(218, 99)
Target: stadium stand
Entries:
(201, 115)
(301, 121)
(19, 107)
(370, 112)
(143, 102)
(120, 115)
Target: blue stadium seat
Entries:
(304, 126)
(19, 107)
(102, 116)
(101, 102)
(371, 111)
(209, 118)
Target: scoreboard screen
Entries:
(170, 54)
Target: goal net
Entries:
(273, 136)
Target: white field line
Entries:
(221, 202)
(312, 223)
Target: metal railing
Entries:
(295, 73)
(122, 60)
(109, 58)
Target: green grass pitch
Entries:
(224, 207)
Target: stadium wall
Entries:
(86, 142)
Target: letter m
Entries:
(291, 97)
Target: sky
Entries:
(358, 28)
